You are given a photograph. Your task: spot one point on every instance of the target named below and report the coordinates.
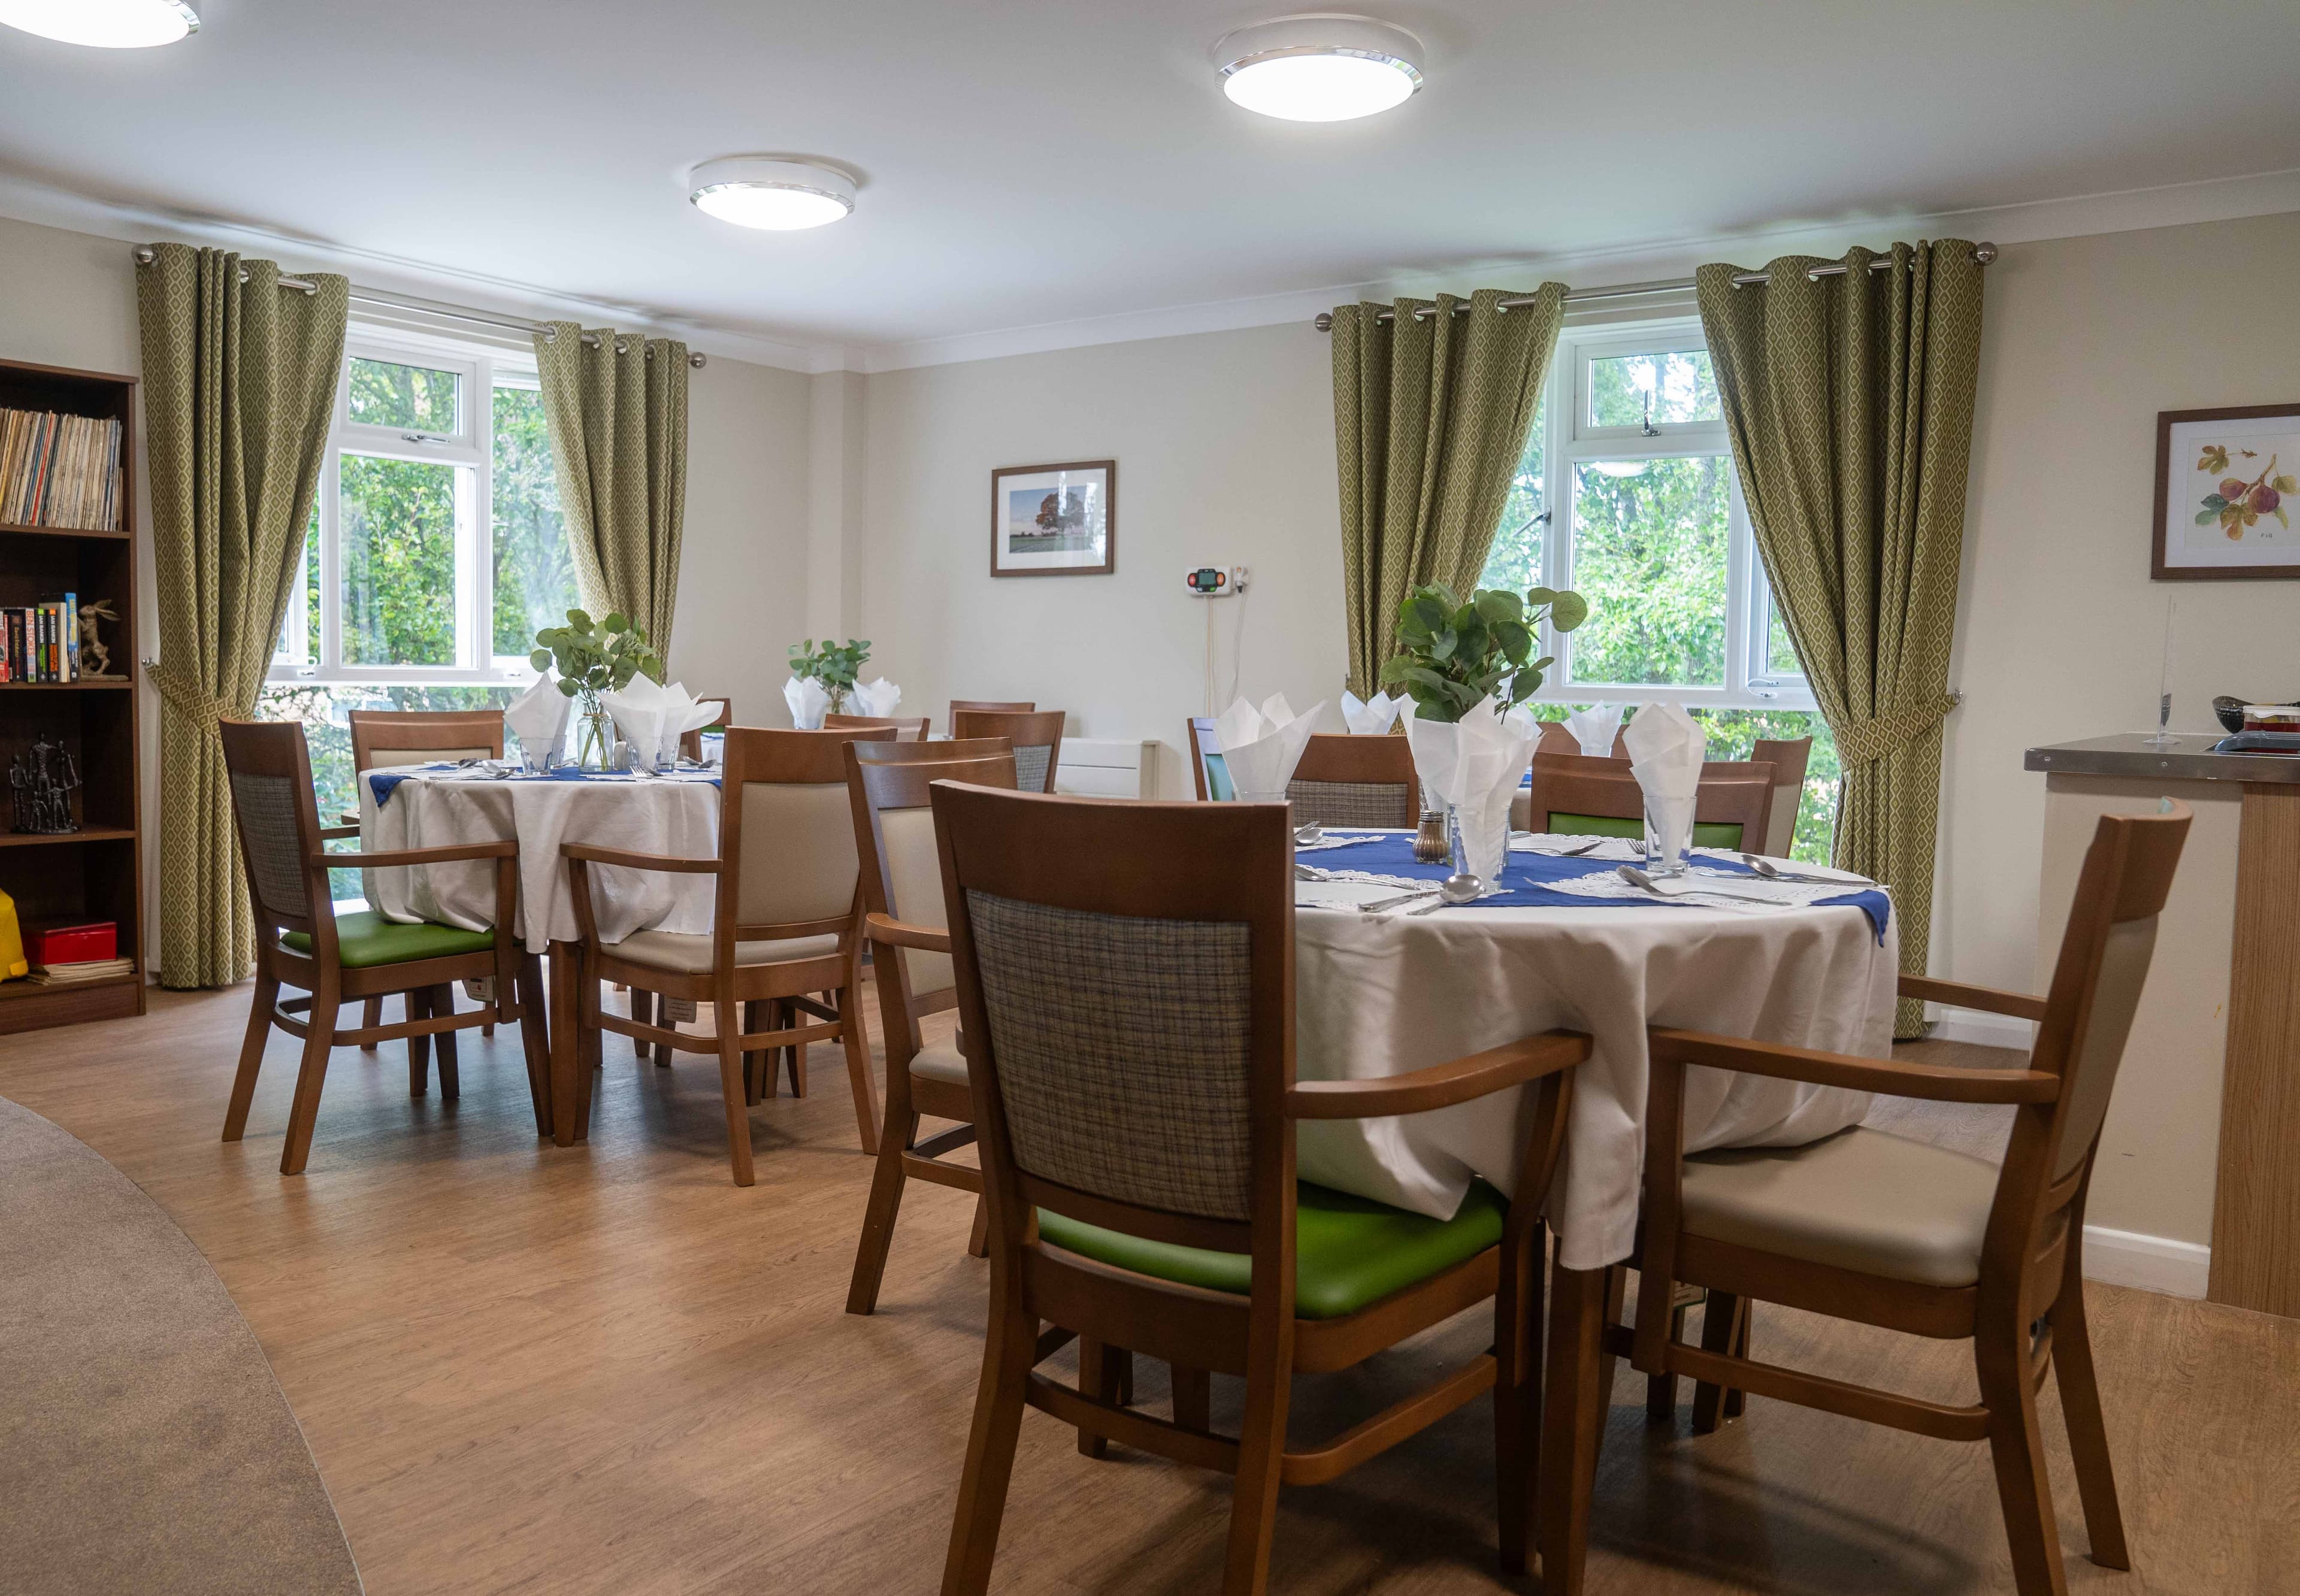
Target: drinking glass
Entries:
(1669, 834)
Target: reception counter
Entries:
(2220, 1019)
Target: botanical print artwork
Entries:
(2235, 505)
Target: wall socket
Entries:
(1214, 581)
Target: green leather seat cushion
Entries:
(364, 938)
(1348, 1252)
(1707, 834)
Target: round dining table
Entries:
(426, 806)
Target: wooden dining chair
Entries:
(1578, 795)
(381, 738)
(302, 941)
(1207, 765)
(910, 963)
(1345, 780)
(1788, 757)
(995, 706)
(690, 743)
(786, 926)
(1036, 737)
(907, 729)
(1882, 1230)
(1126, 986)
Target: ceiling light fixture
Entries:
(107, 24)
(763, 191)
(1320, 66)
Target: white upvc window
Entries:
(1626, 494)
(435, 549)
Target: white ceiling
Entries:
(1066, 160)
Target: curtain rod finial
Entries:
(1324, 321)
(1984, 253)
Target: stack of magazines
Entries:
(85, 969)
(59, 471)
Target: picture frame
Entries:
(2228, 486)
(1054, 520)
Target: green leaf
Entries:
(579, 619)
(1442, 646)
(1498, 606)
(1516, 640)
(540, 658)
(566, 686)
(2206, 516)
(1539, 596)
(2214, 501)
(617, 622)
(1568, 610)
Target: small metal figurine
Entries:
(42, 778)
(95, 659)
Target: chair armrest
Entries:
(901, 934)
(638, 861)
(329, 833)
(1439, 1085)
(1893, 1076)
(415, 856)
(1959, 996)
(351, 817)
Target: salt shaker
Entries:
(1430, 843)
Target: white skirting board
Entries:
(2112, 1257)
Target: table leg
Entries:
(565, 1054)
(1573, 1422)
(535, 1038)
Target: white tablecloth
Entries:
(1382, 994)
(673, 815)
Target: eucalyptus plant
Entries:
(1456, 655)
(837, 666)
(595, 657)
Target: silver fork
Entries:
(1379, 904)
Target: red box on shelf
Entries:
(72, 944)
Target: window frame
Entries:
(1570, 440)
(482, 367)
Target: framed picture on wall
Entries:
(1054, 520)
(2228, 483)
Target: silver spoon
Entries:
(1637, 877)
(1765, 867)
(1312, 833)
(1587, 847)
(1379, 904)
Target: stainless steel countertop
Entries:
(2190, 758)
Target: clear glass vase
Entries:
(594, 739)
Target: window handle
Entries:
(422, 437)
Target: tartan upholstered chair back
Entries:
(1125, 975)
(784, 830)
(1346, 780)
(278, 821)
(1036, 737)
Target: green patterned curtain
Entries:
(617, 409)
(1430, 413)
(1849, 402)
(239, 386)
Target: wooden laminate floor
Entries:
(605, 1368)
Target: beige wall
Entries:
(1225, 447)
(71, 301)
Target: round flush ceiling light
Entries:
(759, 191)
(1320, 66)
(107, 24)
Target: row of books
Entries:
(40, 643)
(59, 471)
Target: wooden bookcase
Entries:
(97, 872)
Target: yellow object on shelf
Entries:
(12, 941)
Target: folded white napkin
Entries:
(1666, 747)
(1593, 727)
(1261, 747)
(640, 710)
(878, 696)
(809, 702)
(1474, 764)
(683, 712)
(1368, 717)
(538, 716)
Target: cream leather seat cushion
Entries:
(940, 1062)
(674, 949)
(1862, 1199)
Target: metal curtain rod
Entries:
(145, 256)
(1324, 321)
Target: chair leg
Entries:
(886, 1182)
(305, 1113)
(858, 1067)
(738, 1111)
(662, 1050)
(1008, 1350)
(1517, 1392)
(642, 1013)
(250, 1056)
(978, 1239)
(1660, 1390)
(1720, 1325)
(1193, 1397)
(1617, 1290)
(2072, 1369)
(443, 1003)
(419, 1048)
(371, 1016)
(1737, 1400)
(1572, 1424)
(1107, 1372)
(535, 1038)
(754, 1063)
(795, 1055)
(2016, 1447)
(1261, 1455)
